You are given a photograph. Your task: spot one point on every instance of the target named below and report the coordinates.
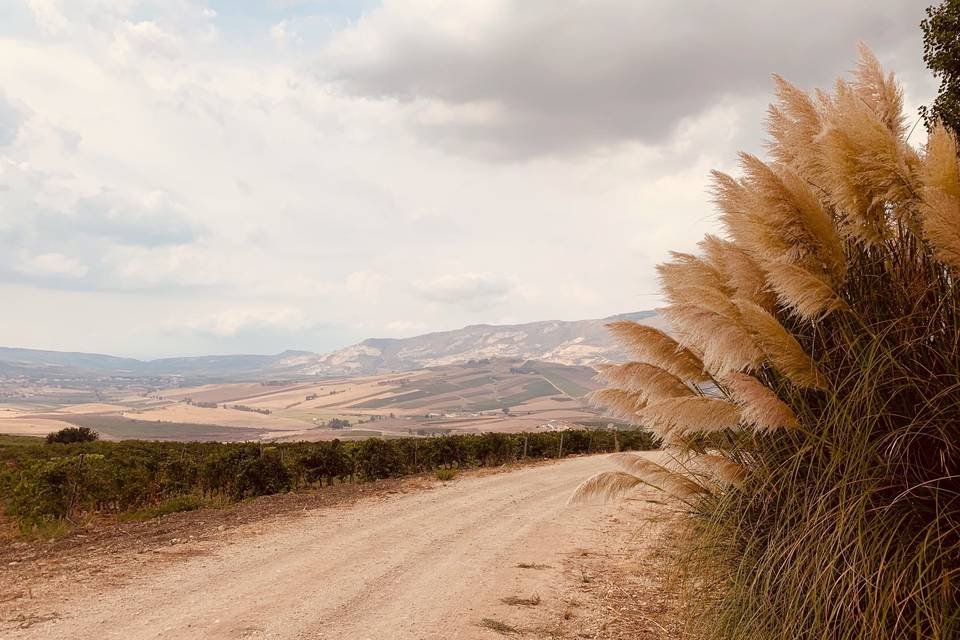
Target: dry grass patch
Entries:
(532, 565)
(500, 627)
(515, 601)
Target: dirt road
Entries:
(434, 563)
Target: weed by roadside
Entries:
(446, 475)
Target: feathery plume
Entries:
(794, 122)
(792, 213)
(657, 348)
(724, 469)
(744, 219)
(675, 483)
(759, 405)
(683, 416)
(806, 294)
(619, 403)
(647, 380)
(867, 167)
(741, 272)
(781, 349)
(941, 195)
(705, 298)
(879, 91)
(685, 270)
(606, 485)
(726, 345)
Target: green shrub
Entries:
(445, 475)
(261, 476)
(174, 504)
(70, 435)
(43, 487)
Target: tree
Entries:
(941, 53)
(70, 435)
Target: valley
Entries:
(486, 395)
(500, 378)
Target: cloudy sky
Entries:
(181, 177)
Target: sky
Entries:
(185, 177)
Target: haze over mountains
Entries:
(581, 342)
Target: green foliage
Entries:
(8, 440)
(175, 504)
(41, 486)
(941, 53)
(70, 435)
(446, 475)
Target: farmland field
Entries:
(497, 395)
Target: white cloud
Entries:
(472, 290)
(231, 322)
(136, 40)
(435, 165)
(514, 78)
(50, 264)
(11, 118)
(48, 15)
(285, 34)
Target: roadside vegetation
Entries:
(811, 397)
(47, 487)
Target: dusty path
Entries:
(427, 564)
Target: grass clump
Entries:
(810, 388)
(532, 565)
(45, 528)
(174, 504)
(500, 627)
(445, 475)
(18, 441)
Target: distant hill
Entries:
(581, 342)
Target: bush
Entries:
(262, 476)
(175, 504)
(41, 486)
(815, 389)
(445, 475)
(70, 435)
(377, 459)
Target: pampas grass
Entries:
(606, 485)
(618, 403)
(760, 407)
(780, 347)
(941, 189)
(803, 293)
(655, 347)
(650, 382)
(638, 471)
(818, 337)
(675, 417)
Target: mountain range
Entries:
(581, 342)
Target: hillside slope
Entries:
(580, 342)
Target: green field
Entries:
(124, 428)
(537, 388)
(8, 440)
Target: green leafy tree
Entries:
(941, 53)
(70, 435)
